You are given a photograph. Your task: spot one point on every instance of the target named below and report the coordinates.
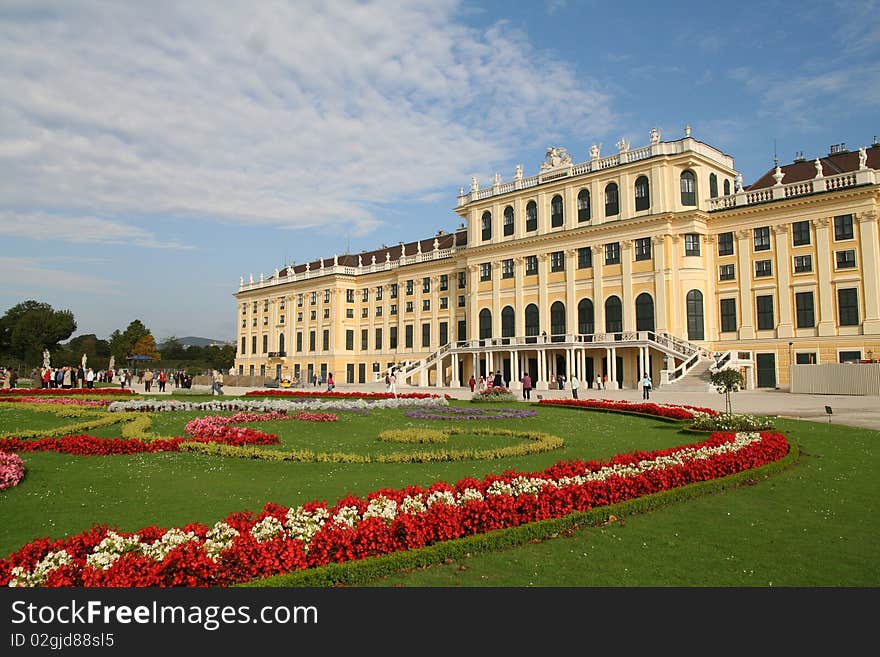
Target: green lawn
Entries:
(813, 525)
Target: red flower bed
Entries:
(675, 412)
(49, 392)
(340, 395)
(275, 542)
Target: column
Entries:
(541, 383)
(629, 311)
(518, 305)
(514, 372)
(598, 298)
(570, 303)
(543, 308)
(435, 313)
(870, 264)
(454, 382)
(475, 364)
(744, 277)
(569, 363)
(496, 298)
(824, 255)
(612, 378)
(472, 309)
(785, 325)
(658, 251)
(676, 327)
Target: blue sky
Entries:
(153, 153)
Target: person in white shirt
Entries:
(90, 378)
(575, 384)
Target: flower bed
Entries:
(11, 470)
(64, 401)
(50, 392)
(494, 395)
(267, 405)
(279, 539)
(457, 413)
(731, 422)
(341, 395)
(670, 411)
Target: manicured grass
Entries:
(812, 525)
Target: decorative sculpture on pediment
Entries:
(497, 180)
(436, 244)
(655, 136)
(594, 151)
(475, 186)
(863, 158)
(322, 263)
(778, 175)
(419, 247)
(335, 259)
(818, 164)
(360, 261)
(388, 256)
(519, 172)
(738, 182)
(555, 157)
(373, 259)
(623, 145)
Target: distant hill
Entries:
(194, 341)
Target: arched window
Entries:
(644, 312)
(584, 205)
(508, 323)
(557, 321)
(556, 218)
(508, 221)
(613, 315)
(727, 187)
(532, 320)
(586, 323)
(688, 188)
(485, 324)
(281, 343)
(486, 225)
(713, 186)
(695, 315)
(612, 206)
(531, 216)
(643, 193)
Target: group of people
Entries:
(8, 378)
(493, 381)
(573, 383)
(70, 377)
(391, 382)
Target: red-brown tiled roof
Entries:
(831, 166)
(444, 241)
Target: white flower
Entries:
(266, 529)
(347, 515)
(440, 496)
(160, 548)
(470, 495)
(381, 507)
(52, 561)
(303, 525)
(219, 538)
(412, 504)
(111, 548)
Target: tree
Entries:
(146, 346)
(31, 326)
(122, 344)
(725, 382)
(172, 349)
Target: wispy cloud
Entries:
(79, 230)
(22, 276)
(289, 114)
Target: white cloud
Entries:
(290, 114)
(21, 276)
(79, 230)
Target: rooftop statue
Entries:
(555, 157)
(863, 158)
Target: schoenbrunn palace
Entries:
(654, 259)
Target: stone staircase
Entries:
(696, 380)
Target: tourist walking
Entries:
(472, 383)
(90, 378)
(646, 386)
(148, 380)
(330, 382)
(575, 384)
(527, 386)
(217, 383)
(393, 384)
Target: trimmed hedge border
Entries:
(355, 573)
(619, 412)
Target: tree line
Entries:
(31, 326)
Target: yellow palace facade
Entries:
(652, 259)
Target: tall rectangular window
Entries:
(643, 248)
(725, 244)
(379, 289)
(803, 263)
(365, 295)
(557, 261)
(761, 238)
(764, 305)
(843, 227)
(462, 280)
(409, 287)
(378, 339)
(531, 265)
(692, 244)
(394, 290)
(728, 316)
(312, 336)
(253, 344)
(485, 271)
(365, 339)
(845, 259)
(585, 257)
(507, 268)
(408, 339)
(763, 268)
(444, 333)
(265, 344)
(392, 337)
(299, 341)
(848, 306)
(325, 340)
(426, 284)
(243, 342)
(349, 296)
(803, 302)
(727, 272)
(349, 340)
(800, 233)
(426, 335)
(612, 253)
(444, 282)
